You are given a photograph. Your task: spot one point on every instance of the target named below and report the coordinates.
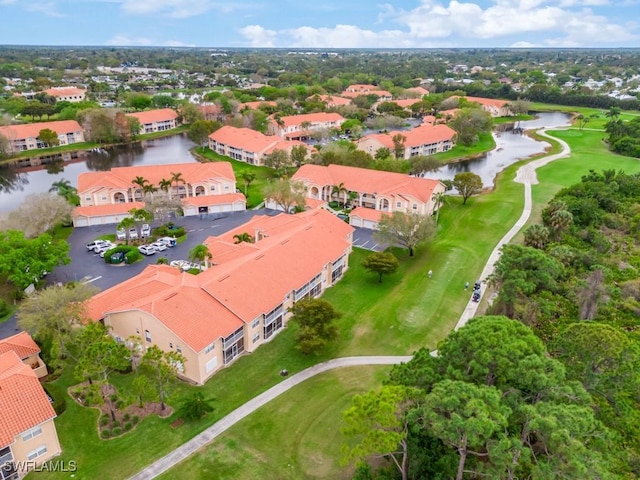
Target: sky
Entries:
(322, 23)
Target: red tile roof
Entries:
(364, 180)
(419, 90)
(249, 140)
(493, 102)
(424, 134)
(332, 100)
(178, 300)
(108, 209)
(32, 130)
(379, 93)
(405, 103)
(257, 105)
(23, 402)
(121, 177)
(21, 343)
(320, 117)
(367, 213)
(223, 199)
(151, 116)
(65, 91)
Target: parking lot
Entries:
(363, 238)
(89, 267)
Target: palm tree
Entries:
(200, 254)
(176, 177)
(438, 199)
(248, 177)
(243, 237)
(61, 185)
(140, 182)
(64, 188)
(340, 190)
(150, 189)
(165, 185)
(613, 112)
(305, 128)
(560, 221)
(536, 236)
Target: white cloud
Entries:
(126, 41)
(460, 23)
(46, 8)
(178, 8)
(259, 36)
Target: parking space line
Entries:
(92, 279)
(364, 244)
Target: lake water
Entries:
(16, 182)
(510, 148)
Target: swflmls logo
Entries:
(50, 466)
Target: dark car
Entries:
(476, 296)
(117, 258)
(476, 286)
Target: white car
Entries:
(96, 244)
(121, 234)
(145, 231)
(159, 246)
(168, 241)
(133, 233)
(147, 249)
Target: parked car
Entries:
(145, 231)
(97, 244)
(476, 286)
(133, 233)
(117, 257)
(147, 249)
(121, 234)
(168, 241)
(104, 248)
(159, 246)
(476, 296)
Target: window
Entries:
(170, 345)
(209, 348)
(415, 206)
(38, 452)
(5, 456)
(255, 323)
(88, 198)
(213, 188)
(178, 349)
(398, 204)
(29, 434)
(256, 337)
(147, 336)
(226, 187)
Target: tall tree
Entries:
(398, 145)
(40, 213)
(53, 316)
(279, 160)
(247, 177)
(162, 368)
(469, 123)
(467, 184)
(49, 137)
(340, 190)
(380, 421)
(286, 193)
(196, 407)
(243, 237)
(200, 254)
(298, 155)
(405, 229)
(178, 178)
(382, 263)
(316, 324)
(438, 199)
(200, 130)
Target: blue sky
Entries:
(322, 23)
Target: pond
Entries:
(35, 175)
(510, 148)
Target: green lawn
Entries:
(596, 116)
(287, 441)
(263, 174)
(486, 143)
(512, 119)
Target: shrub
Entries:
(125, 249)
(106, 433)
(120, 404)
(116, 431)
(135, 419)
(4, 308)
(116, 423)
(126, 417)
(132, 256)
(104, 419)
(128, 426)
(113, 397)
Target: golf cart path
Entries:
(525, 175)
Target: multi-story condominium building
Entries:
(240, 301)
(425, 139)
(371, 193)
(25, 136)
(156, 120)
(67, 94)
(302, 126)
(107, 197)
(247, 145)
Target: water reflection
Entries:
(11, 180)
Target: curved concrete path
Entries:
(207, 436)
(525, 175)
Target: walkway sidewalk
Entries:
(525, 175)
(222, 425)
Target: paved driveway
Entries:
(363, 238)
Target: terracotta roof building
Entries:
(302, 126)
(331, 100)
(373, 191)
(425, 139)
(106, 197)
(67, 94)
(27, 350)
(211, 318)
(497, 108)
(257, 104)
(247, 145)
(27, 433)
(25, 136)
(156, 120)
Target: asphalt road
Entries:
(86, 266)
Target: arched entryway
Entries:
(119, 197)
(384, 205)
(314, 192)
(199, 191)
